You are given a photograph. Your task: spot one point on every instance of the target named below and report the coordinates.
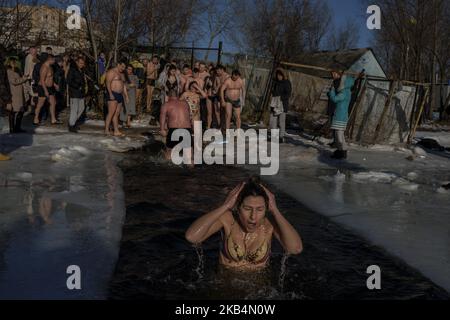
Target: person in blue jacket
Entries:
(341, 97)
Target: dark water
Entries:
(156, 262)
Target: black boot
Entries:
(12, 121)
(344, 154)
(18, 125)
(73, 129)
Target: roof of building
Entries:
(331, 60)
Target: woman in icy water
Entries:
(245, 227)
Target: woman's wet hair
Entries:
(252, 188)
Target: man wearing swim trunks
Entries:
(152, 74)
(117, 95)
(46, 90)
(175, 114)
(232, 96)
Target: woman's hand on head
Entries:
(272, 201)
(232, 197)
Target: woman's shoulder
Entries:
(227, 218)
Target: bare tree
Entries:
(345, 37)
(218, 21)
(299, 25)
(413, 42)
(15, 22)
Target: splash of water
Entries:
(283, 272)
(200, 270)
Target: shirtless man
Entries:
(116, 90)
(232, 96)
(222, 74)
(152, 74)
(195, 78)
(203, 71)
(186, 74)
(175, 114)
(192, 96)
(46, 90)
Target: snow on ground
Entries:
(387, 194)
(61, 204)
(443, 138)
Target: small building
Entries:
(353, 60)
(373, 121)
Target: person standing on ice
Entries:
(76, 81)
(281, 93)
(5, 93)
(341, 97)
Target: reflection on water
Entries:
(64, 216)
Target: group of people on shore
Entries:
(186, 94)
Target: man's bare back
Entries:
(175, 114)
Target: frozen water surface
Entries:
(61, 204)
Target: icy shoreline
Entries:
(62, 204)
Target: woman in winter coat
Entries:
(282, 90)
(341, 97)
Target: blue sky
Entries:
(345, 10)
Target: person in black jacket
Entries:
(76, 81)
(282, 89)
(5, 93)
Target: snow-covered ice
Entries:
(61, 204)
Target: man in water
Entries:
(46, 90)
(232, 96)
(175, 114)
(152, 74)
(116, 91)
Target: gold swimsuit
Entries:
(234, 252)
